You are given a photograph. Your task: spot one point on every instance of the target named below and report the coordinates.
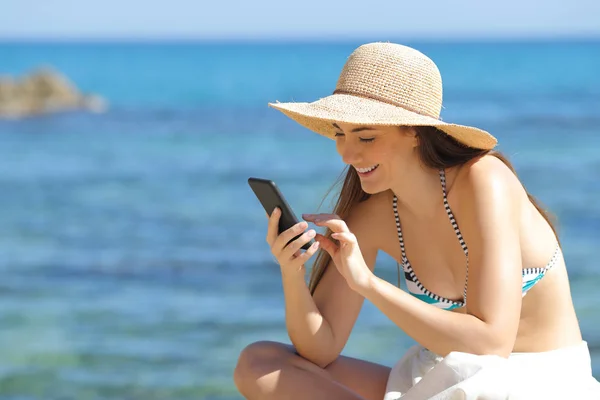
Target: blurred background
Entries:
(132, 255)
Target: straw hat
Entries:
(384, 84)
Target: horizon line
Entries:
(297, 39)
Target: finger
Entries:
(344, 237)
(327, 244)
(312, 217)
(273, 227)
(282, 240)
(297, 244)
(304, 257)
(335, 224)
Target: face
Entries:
(378, 153)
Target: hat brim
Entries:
(319, 115)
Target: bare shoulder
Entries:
(487, 181)
(488, 198)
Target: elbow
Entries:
(321, 350)
(326, 358)
(493, 349)
(316, 352)
(493, 342)
(321, 359)
(326, 362)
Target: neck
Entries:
(419, 192)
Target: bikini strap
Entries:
(456, 230)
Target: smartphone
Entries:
(270, 197)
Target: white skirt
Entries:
(565, 373)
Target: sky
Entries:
(300, 19)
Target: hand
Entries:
(289, 256)
(346, 255)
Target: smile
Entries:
(367, 170)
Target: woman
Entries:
(488, 299)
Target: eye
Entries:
(364, 140)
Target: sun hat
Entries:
(384, 83)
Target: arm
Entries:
(319, 325)
(491, 195)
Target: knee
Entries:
(255, 360)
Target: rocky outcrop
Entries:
(43, 91)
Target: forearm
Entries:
(309, 331)
(438, 330)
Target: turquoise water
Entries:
(132, 251)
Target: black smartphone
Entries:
(270, 197)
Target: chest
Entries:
(433, 250)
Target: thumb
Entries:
(345, 238)
(327, 244)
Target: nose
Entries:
(350, 153)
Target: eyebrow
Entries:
(359, 129)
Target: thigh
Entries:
(366, 378)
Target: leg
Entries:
(270, 370)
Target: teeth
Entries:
(365, 170)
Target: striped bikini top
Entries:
(530, 275)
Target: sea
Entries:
(133, 260)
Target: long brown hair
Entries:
(436, 150)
